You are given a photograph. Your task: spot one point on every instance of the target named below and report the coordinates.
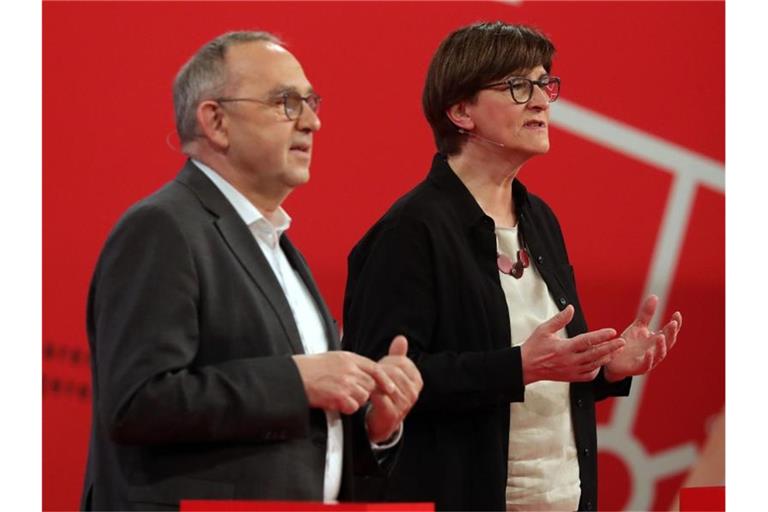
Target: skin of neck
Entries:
(266, 199)
(488, 174)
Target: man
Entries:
(215, 373)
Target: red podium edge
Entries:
(702, 498)
(285, 506)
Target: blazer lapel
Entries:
(298, 263)
(240, 241)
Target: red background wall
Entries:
(655, 66)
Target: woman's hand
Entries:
(645, 349)
(547, 356)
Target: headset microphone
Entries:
(465, 132)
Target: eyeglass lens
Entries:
(522, 88)
(294, 104)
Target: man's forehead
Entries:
(265, 64)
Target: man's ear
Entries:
(212, 123)
(459, 116)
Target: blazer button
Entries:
(563, 302)
(586, 452)
(540, 259)
(579, 403)
(589, 505)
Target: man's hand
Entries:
(546, 356)
(340, 381)
(645, 349)
(389, 407)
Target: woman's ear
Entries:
(459, 116)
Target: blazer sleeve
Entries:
(391, 290)
(604, 389)
(142, 320)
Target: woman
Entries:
(473, 270)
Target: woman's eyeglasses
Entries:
(521, 88)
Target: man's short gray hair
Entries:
(204, 76)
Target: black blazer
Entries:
(195, 394)
(427, 269)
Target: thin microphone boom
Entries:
(465, 132)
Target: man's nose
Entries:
(309, 120)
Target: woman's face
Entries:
(522, 128)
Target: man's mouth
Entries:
(304, 148)
(535, 124)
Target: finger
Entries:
(678, 317)
(670, 332)
(661, 349)
(399, 346)
(607, 359)
(382, 406)
(558, 321)
(382, 379)
(599, 363)
(586, 341)
(359, 361)
(357, 377)
(405, 365)
(347, 405)
(600, 352)
(647, 310)
(370, 372)
(359, 394)
(407, 389)
(587, 375)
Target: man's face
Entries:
(269, 150)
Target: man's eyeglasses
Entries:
(293, 103)
(521, 88)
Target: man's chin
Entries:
(298, 177)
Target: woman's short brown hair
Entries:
(470, 58)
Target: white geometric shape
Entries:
(640, 145)
(644, 469)
(689, 170)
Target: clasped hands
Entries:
(344, 381)
(546, 356)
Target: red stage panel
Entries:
(655, 66)
(306, 506)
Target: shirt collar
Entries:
(251, 215)
(446, 179)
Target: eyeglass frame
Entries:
(541, 83)
(282, 98)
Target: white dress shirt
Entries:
(306, 313)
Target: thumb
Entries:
(399, 346)
(559, 321)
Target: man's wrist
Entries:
(390, 440)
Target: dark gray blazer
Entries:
(195, 394)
